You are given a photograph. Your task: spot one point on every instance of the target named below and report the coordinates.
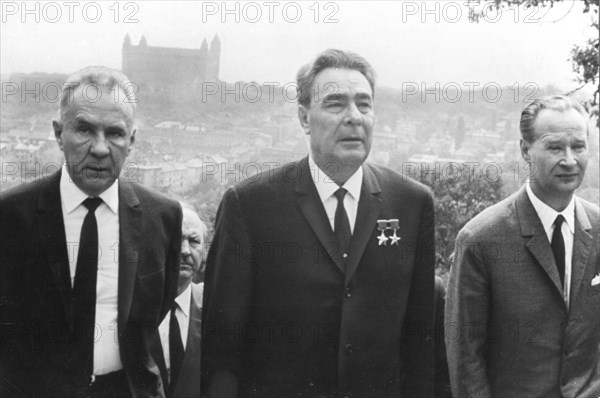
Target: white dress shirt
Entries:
(182, 314)
(106, 345)
(327, 188)
(547, 216)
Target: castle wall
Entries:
(164, 69)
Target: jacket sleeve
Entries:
(172, 264)
(466, 316)
(418, 332)
(227, 291)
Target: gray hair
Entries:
(331, 58)
(103, 79)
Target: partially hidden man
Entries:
(523, 304)
(319, 281)
(89, 260)
(177, 350)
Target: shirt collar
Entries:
(184, 300)
(72, 196)
(547, 214)
(325, 185)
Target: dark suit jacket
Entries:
(188, 384)
(36, 318)
(442, 378)
(282, 317)
(509, 332)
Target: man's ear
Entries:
(525, 146)
(131, 139)
(57, 126)
(133, 133)
(303, 117)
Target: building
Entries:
(169, 70)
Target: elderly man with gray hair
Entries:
(177, 352)
(320, 278)
(89, 260)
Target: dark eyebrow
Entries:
(334, 97)
(78, 121)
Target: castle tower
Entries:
(126, 54)
(214, 59)
(203, 74)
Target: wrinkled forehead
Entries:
(550, 121)
(333, 81)
(93, 102)
(191, 222)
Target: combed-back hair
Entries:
(558, 103)
(102, 78)
(331, 58)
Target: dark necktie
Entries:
(84, 287)
(342, 230)
(175, 347)
(558, 247)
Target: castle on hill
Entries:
(165, 69)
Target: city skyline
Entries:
(415, 42)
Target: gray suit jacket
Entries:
(509, 332)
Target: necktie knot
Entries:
(559, 220)
(174, 307)
(92, 203)
(340, 194)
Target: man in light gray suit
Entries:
(523, 305)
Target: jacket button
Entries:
(349, 349)
(348, 292)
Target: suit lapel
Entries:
(366, 219)
(130, 213)
(312, 208)
(581, 248)
(538, 245)
(192, 347)
(53, 241)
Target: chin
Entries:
(353, 158)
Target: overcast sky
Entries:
(411, 41)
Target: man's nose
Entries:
(185, 248)
(570, 159)
(100, 145)
(353, 115)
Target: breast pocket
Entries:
(594, 290)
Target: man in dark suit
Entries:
(522, 316)
(316, 291)
(177, 351)
(89, 260)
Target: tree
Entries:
(584, 57)
(459, 135)
(460, 193)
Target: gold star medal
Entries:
(382, 226)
